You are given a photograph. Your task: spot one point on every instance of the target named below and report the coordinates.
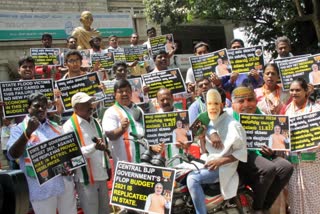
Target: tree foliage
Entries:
(264, 20)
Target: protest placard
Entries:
(161, 43)
(216, 62)
(86, 58)
(180, 61)
(269, 130)
(135, 185)
(170, 79)
(118, 55)
(88, 83)
(276, 61)
(305, 131)
(55, 156)
(46, 56)
(139, 52)
(306, 68)
(109, 93)
(15, 95)
(137, 90)
(105, 60)
(243, 60)
(168, 127)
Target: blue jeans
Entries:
(194, 181)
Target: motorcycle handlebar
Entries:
(136, 136)
(185, 157)
(188, 158)
(192, 158)
(139, 139)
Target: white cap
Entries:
(80, 97)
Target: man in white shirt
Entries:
(90, 180)
(222, 162)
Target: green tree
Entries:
(264, 20)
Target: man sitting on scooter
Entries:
(222, 160)
(265, 172)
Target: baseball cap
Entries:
(80, 97)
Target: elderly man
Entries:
(277, 141)
(265, 172)
(222, 161)
(90, 180)
(283, 47)
(57, 193)
(314, 75)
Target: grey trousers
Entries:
(266, 177)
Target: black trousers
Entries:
(266, 177)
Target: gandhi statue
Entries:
(85, 33)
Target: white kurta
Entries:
(111, 120)
(233, 137)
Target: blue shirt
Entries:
(52, 187)
(243, 78)
(196, 108)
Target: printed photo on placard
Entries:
(215, 62)
(139, 52)
(46, 56)
(118, 55)
(53, 157)
(307, 68)
(105, 60)
(162, 43)
(143, 188)
(88, 83)
(266, 130)
(243, 60)
(170, 79)
(137, 90)
(168, 127)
